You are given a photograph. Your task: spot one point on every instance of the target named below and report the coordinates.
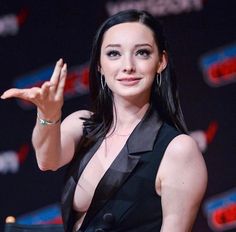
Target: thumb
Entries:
(19, 93)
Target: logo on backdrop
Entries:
(219, 66)
(204, 138)
(156, 7)
(10, 23)
(76, 82)
(221, 211)
(10, 161)
(50, 214)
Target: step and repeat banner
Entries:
(35, 34)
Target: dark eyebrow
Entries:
(112, 45)
(143, 45)
(136, 45)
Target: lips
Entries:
(129, 81)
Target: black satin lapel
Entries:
(112, 180)
(144, 135)
(69, 189)
(67, 198)
(146, 132)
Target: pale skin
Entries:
(182, 177)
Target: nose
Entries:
(128, 66)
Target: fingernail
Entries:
(2, 96)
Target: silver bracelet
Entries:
(45, 122)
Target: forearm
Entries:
(176, 227)
(46, 136)
(47, 144)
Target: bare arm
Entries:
(181, 182)
(54, 144)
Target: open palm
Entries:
(49, 97)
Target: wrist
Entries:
(47, 122)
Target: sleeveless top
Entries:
(125, 199)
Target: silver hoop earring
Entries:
(158, 80)
(103, 82)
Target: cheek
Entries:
(109, 68)
(149, 69)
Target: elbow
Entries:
(47, 167)
(46, 163)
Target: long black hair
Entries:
(165, 99)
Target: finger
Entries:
(45, 89)
(61, 84)
(19, 93)
(56, 74)
(25, 94)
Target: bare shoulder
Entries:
(183, 163)
(73, 123)
(182, 148)
(181, 181)
(77, 115)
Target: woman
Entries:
(132, 166)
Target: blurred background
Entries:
(35, 34)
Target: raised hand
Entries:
(49, 97)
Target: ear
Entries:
(163, 62)
(100, 69)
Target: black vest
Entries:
(125, 199)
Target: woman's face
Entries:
(130, 60)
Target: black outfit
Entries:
(125, 199)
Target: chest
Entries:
(95, 170)
(132, 205)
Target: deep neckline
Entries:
(123, 164)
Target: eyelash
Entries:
(145, 53)
(113, 53)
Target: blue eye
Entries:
(143, 52)
(113, 53)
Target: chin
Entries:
(132, 95)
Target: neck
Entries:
(127, 114)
